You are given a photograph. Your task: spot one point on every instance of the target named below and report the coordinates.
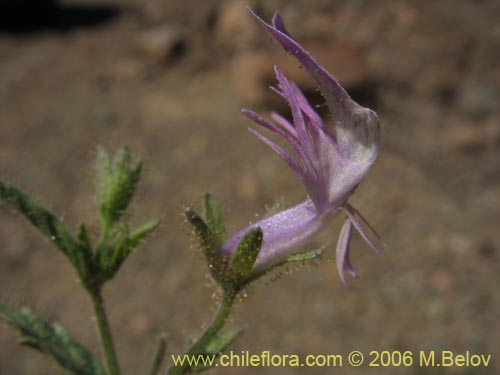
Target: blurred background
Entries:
(168, 78)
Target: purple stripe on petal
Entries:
(282, 153)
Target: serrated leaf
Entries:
(52, 340)
(246, 253)
(43, 219)
(214, 219)
(208, 243)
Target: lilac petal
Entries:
(342, 256)
(299, 148)
(282, 153)
(306, 152)
(283, 122)
(330, 87)
(278, 23)
(289, 94)
(255, 117)
(306, 107)
(356, 128)
(283, 233)
(347, 209)
(365, 222)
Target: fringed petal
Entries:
(282, 153)
(356, 129)
(255, 117)
(283, 122)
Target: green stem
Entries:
(199, 345)
(105, 333)
(160, 355)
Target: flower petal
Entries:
(283, 122)
(349, 211)
(283, 233)
(356, 128)
(255, 117)
(365, 222)
(342, 254)
(282, 153)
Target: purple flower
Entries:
(332, 159)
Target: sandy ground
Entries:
(95, 73)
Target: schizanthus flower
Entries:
(332, 159)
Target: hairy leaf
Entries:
(52, 340)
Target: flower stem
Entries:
(160, 355)
(105, 333)
(199, 345)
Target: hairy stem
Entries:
(105, 333)
(199, 345)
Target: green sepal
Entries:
(44, 220)
(209, 244)
(294, 258)
(52, 340)
(243, 260)
(117, 180)
(214, 219)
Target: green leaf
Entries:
(119, 245)
(41, 218)
(83, 237)
(84, 257)
(52, 340)
(214, 219)
(117, 180)
(246, 254)
(208, 244)
(143, 232)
